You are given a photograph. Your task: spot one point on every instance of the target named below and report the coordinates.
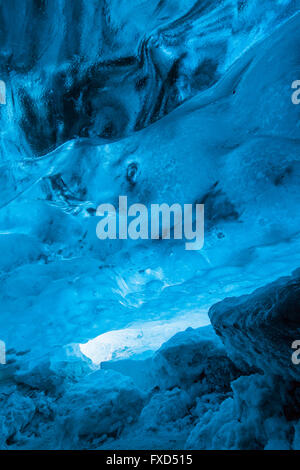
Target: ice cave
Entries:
(135, 342)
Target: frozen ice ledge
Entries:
(231, 385)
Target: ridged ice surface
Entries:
(196, 96)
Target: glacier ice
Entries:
(197, 96)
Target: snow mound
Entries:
(194, 356)
(257, 331)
